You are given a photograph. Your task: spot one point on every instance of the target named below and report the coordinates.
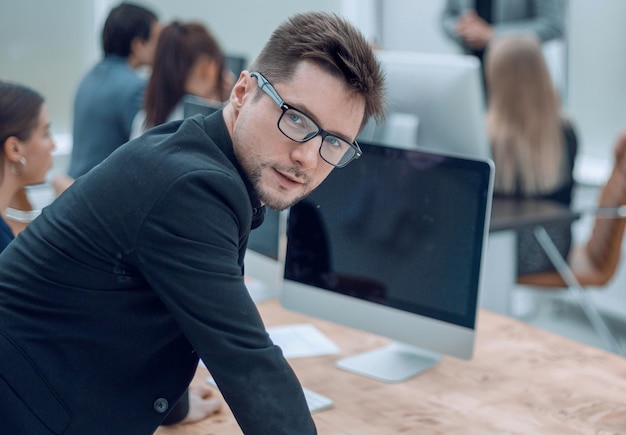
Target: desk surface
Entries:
(521, 381)
(514, 214)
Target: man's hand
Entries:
(475, 31)
(202, 404)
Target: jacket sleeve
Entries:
(547, 24)
(452, 11)
(189, 248)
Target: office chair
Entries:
(591, 264)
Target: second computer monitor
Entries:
(435, 102)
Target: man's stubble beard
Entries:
(267, 198)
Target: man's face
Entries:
(284, 171)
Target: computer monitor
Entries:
(436, 102)
(393, 244)
(262, 263)
(235, 64)
(192, 105)
(264, 239)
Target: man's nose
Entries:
(306, 154)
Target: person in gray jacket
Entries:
(110, 94)
(110, 297)
(473, 23)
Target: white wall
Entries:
(597, 69)
(414, 25)
(49, 45)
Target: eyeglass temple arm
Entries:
(266, 87)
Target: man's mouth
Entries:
(289, 178)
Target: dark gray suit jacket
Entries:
(110, 296)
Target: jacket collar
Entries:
(219, 133)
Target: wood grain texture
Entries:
(521, 380)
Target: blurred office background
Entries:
(49, 45)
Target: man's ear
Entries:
(244, 89)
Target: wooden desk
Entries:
(521, 381)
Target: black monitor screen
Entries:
(264, 239)
(402, 228)
(235, 64)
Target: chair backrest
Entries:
(604, 246)
(594, 263)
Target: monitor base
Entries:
(396, 362)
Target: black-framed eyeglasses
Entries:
(299, 127)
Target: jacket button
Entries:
(161, 405)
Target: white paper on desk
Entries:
(302, 340)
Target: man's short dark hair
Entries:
(332, 43)
(126, 22)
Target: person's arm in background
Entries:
(452, 12)
(619, 149)
(547, 24)
(467, 28)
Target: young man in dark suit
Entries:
(111, 296)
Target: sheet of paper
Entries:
(302, 340)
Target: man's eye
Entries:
(294, 118)
(334, 141)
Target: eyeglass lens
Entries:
(299, 127)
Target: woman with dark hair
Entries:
(188, 64)
(26, 155)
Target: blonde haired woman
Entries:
(533, 145)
